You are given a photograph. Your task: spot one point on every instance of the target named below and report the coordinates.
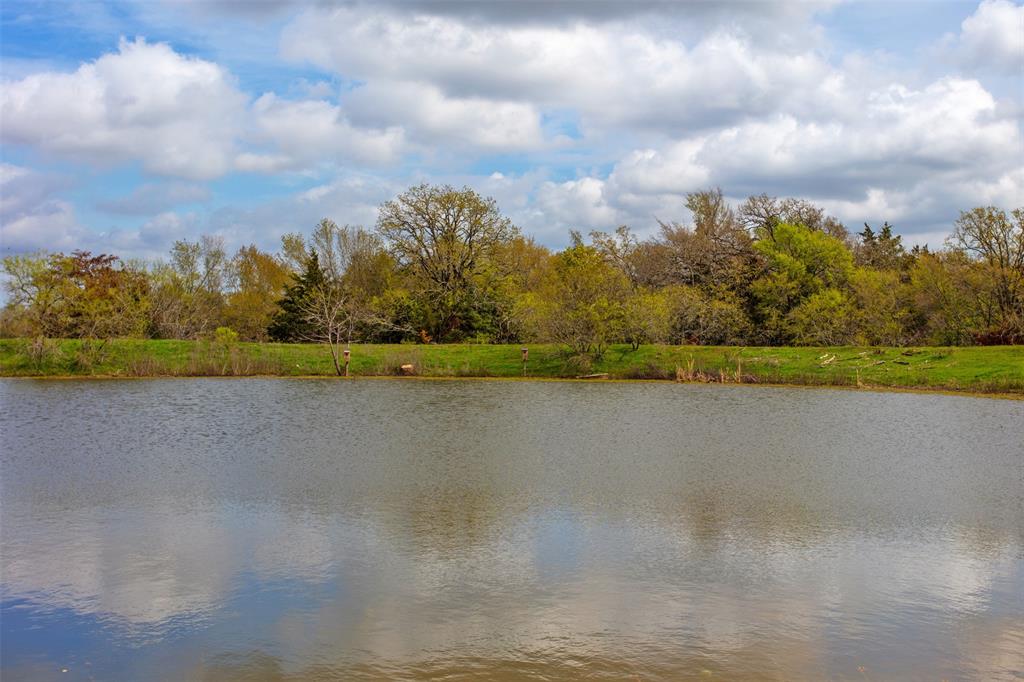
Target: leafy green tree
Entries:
(646, 318)
(514, 268)
(395, 316)
(800, 262)
(813, 260)
(825, 318)
(258, 282)
(699, 318)
(581, 302)
(761, 214)
(39, 292)
(442, 238)
(951, 293)
(883, 308)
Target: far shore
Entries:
(994, 371)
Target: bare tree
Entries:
(760, 214)
(619, 249)
(188, 293)
(713, 247)
(326, 308)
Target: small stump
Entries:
(408, 370)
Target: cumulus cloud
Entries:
(905, 155)
(572, 115)
(577, 203)
(308, 130)
(715, 107)
(183, 117)
(621, 74)
(993, 37)
(435, 119)
(177, 115)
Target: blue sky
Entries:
(126, 126)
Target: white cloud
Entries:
(435, 119)
(1005, 190)
(577, 204)
(167, 227)
(993, 37)
(263, 163)
(177, 115)
(876, 204)
(675, 170)
(637, 103)
(34, 218)
(675, 110)
(610, 73)
(907, 155)
(305, 131)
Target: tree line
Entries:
(444, 265)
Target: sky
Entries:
(128, 125)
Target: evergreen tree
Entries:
(882, 250)
(290, 323)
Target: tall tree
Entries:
(315, 309)
(621, 250)
(881, 250)
(581, 302)
(258, 282)
(328, 317)
(443, 236)
(760, 214)
(996, 240)
(188, 292)
(290, 323)
(79, 295)
(800, 263)
(715, 251)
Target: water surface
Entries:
(323, 529)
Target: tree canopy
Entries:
(445, 265)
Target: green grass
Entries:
(992, 369)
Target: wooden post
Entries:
(526, 356)
(347, 352)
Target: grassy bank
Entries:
(994, 369)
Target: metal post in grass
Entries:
(346, 352)
(526, 356)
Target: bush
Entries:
(225, 337)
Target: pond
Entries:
(274, 529)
